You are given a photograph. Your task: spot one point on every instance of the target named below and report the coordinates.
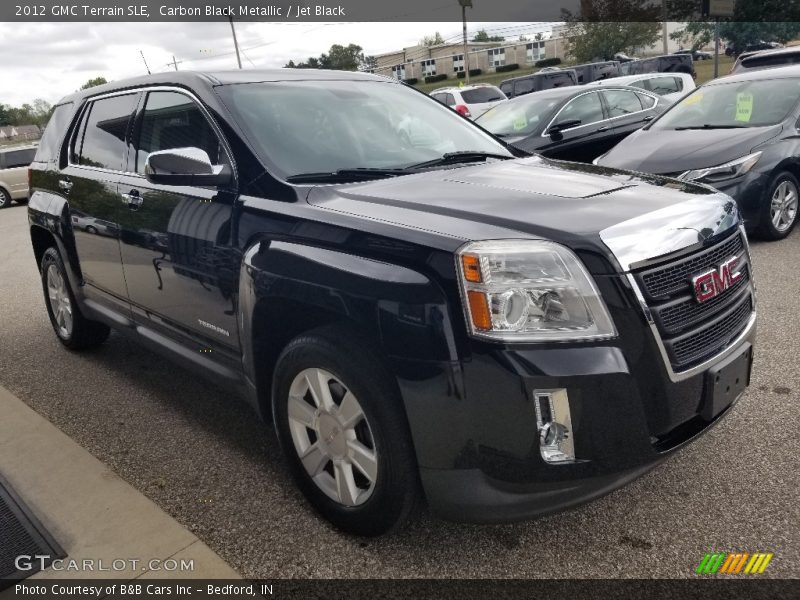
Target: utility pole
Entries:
(145, 62)
(174, 62)
(664, 25)
(235, 43)
(464, 5)
(716, 47)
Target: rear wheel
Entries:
(72, 328)
(779, 208)
(338, 418)
(5, 198)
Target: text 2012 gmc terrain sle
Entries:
(420, 312)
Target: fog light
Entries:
(554, 423)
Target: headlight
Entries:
(530, 291)
(737, 167)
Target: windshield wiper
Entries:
(345, 175)
(451, 158)
(708, 126)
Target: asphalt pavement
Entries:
(202, 456)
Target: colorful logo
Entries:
(734, 563)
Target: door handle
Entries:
(648, 118)
(65, 184)
(604, 128)
(133, 199)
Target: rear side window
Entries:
(49, 145)
(524, 86)
(482, 94)
(18, 158)
(559, 80)
(173, 120)
(647, 101)
(622, 102)
(507, 88)
(761, 61)
(101, 137)
(666, 85)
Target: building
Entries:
(19, 133)
(418, 62)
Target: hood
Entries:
(666, 151)
(531, 197)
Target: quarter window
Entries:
(53, 133)
(101, 139)
(665, 85)
(173, 120)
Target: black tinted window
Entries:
(482, 94)
(101, 142)
(173, 120)
(622, 102)
(666, 85)
(524, 87)
(54, 133)
(507, 88)
(558, 80)
(18, 158)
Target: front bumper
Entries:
(749, 191)
(474, 422)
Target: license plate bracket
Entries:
(726, 381)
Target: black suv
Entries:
(667, 63)
(536, 82)
(418, 312)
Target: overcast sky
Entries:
(50, 60)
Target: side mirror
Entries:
(555, 131)
(185, 166)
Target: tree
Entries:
(587, 42)
(739, 33)
(94, 82)
(432, 40)
(482, 36)
(342, 58)
(4, 117)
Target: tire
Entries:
(73, 330)
(5, 199)
(779, 207)
(354, 438)
(91, 230)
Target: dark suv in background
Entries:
(426, 315)
(536, 82)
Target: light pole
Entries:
(464, 5)
(235, 43)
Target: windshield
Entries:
(326, 126)
(733, 105)
(519, 116)
(482, 94)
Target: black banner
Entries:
(407, 10)
(750, 587)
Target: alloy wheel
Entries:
(60, 303)
(783, 208)
(332, 437)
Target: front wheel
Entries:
(779, 208)
(73, 330)
(339, 420)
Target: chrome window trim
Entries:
(608, 120)
(139, 90)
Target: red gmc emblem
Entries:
(712, 283)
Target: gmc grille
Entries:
(693, 332)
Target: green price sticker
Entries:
(520, 122)
(744, 106)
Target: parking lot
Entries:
(200, 454)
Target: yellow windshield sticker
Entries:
(520, 121)
(693, 99)
(744, 106)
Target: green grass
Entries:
(704, 68)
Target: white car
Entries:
(470, 101)
(670, 86)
